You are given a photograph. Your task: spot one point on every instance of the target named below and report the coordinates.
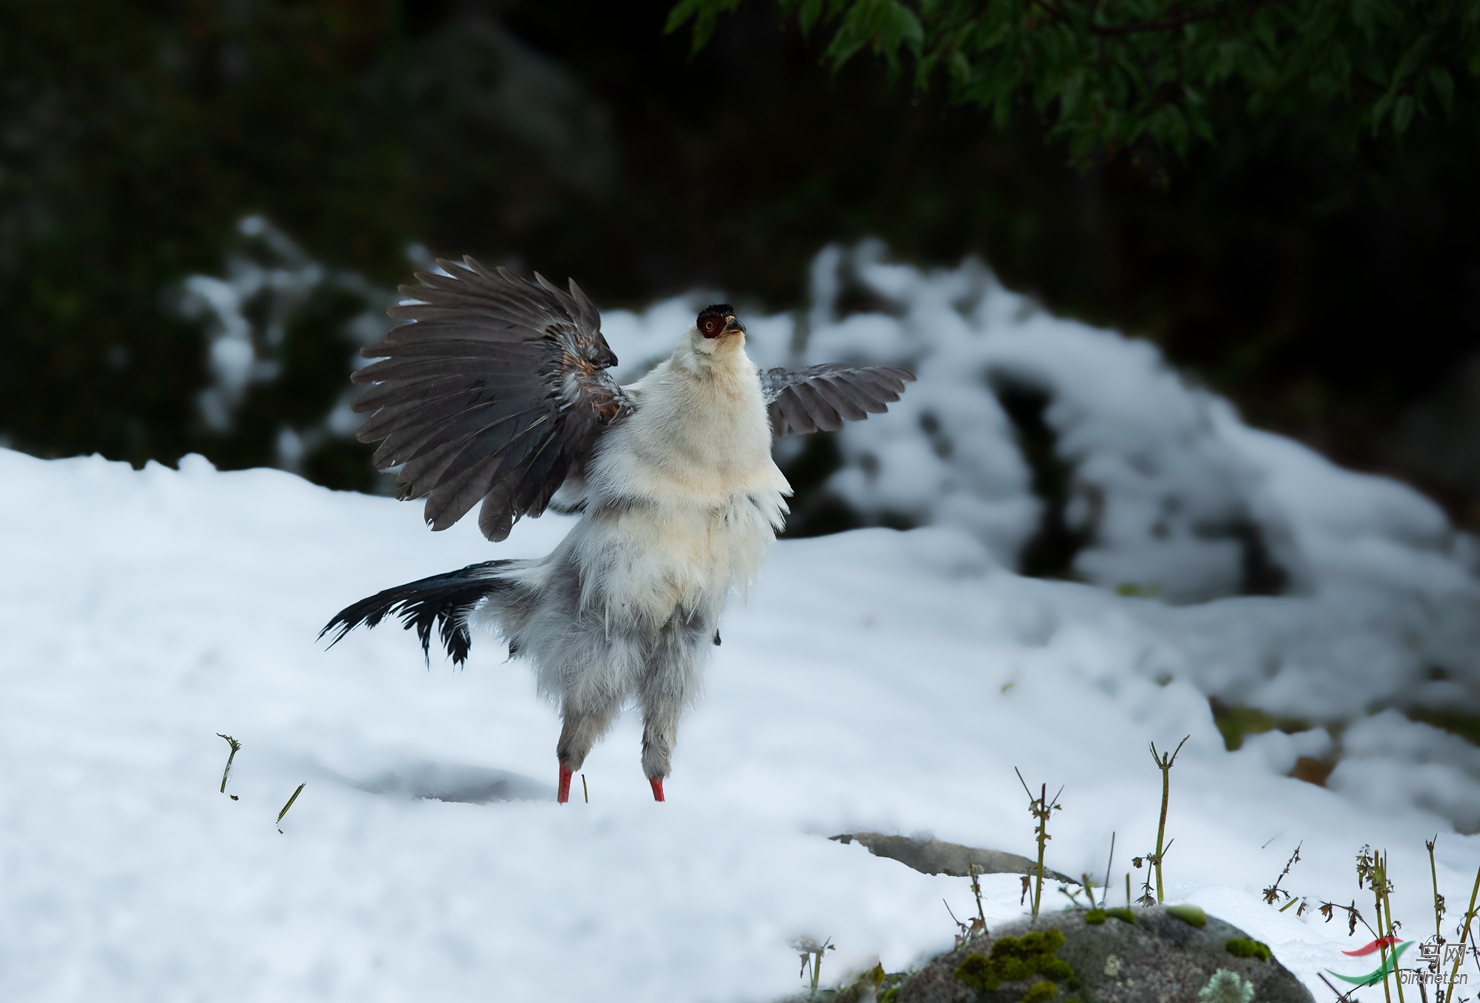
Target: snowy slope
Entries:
(876, 680)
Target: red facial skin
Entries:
(712, 325)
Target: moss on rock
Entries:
(1243, 947)
(1014, 959)
(1190, 914)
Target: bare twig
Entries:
(1273, 892)
(235, 745)
(976, 892)
(1438, 899)
(1341, 997)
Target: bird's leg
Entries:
(581, 729)
(660, 712)
(666, 686)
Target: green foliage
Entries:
(1016, 959)
(137, 136)
(1040, 992)
(1241, 947)
(1235, 723)
(580, 140)
(1095, 917)
(1109, 77)
(976, 972)
(1456, 722)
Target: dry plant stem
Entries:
(235, 745)
(1341, 997)
(1164, 763)
(1377, 875)
(1438, 899)
(817, 964)
(976, 891)
(1042, 842)
(1105, 894)
(1127, 889)
(1040, 808)
(1273, 892)
(1463, 937)
(1387, 907)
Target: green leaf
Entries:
(1104, 76)
(681, 12)
(1412, 58)
(961, 69)
(1443, 85)
(905, 26)
(806, 17)
(1402, 113)
(705, 15)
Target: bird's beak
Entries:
(733, 326)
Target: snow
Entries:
(245, 315)
(875, 680)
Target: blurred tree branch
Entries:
(1110, 76)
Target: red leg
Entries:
(563, 795)
(657, 783)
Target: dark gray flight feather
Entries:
(494, 390)
(442, 601)
(820, 398)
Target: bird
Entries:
(498, 390)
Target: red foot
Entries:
(563, 795)
(657, 783)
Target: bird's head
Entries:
(717, 327)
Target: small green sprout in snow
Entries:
(290, 803)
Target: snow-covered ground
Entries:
(876, 680)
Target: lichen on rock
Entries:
(1226, 987)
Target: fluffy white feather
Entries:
(682, 501)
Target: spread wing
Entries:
(822, 397)
(495, 390)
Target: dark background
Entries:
(1333, 293)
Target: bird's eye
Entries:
(709, 325)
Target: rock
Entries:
(931, 856)
(1155, 956)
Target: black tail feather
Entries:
(442, 600)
